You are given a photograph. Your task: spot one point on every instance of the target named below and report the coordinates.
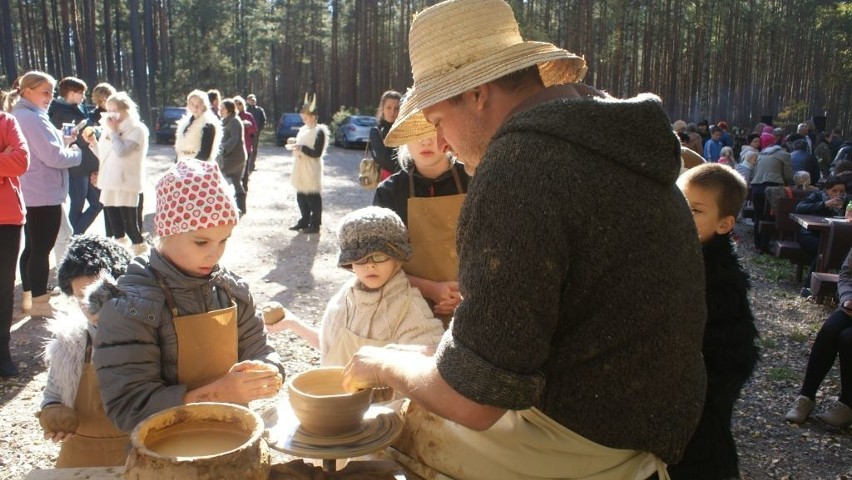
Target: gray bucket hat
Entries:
(369, 230)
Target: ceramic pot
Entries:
(199, 441)
(322, 406)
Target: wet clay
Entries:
(196, 441)
(321, 404)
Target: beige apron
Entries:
(432, 223)
(97, 443)
(347, 342)
(207, 343)
(523, 444)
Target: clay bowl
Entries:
(199, 441)
(322, 406)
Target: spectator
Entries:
(308, 151)
(69, 108)
(801, 159)
(830, 202)
(713, 146)
(249, 134)
(726, 157)
(748, 157)
(773, 169)
(199, 132)
(833, 340)
(387, 112)
(715, 195)
(44, 186)
(122, 149)
(259, 115)
(232, 158)
(14, 161)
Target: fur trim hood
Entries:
(65, 354)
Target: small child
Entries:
(181, 328)
(726, 157)
(715, 194)
(378, 306)
(802, 181)
(72, 411)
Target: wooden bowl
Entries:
(322, 406)
(199, 441)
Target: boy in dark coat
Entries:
(715, 194)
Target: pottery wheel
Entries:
(380, 427)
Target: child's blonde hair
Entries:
(802, 179)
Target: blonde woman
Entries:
(121, 149)
(199, 132)
(44, 186)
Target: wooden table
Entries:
(817, 224)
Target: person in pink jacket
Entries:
(14, 161)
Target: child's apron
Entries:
(97, 443)
(432, 223)
(207, 343)
(347, 342)
(523, 444)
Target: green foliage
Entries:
(794, 112)
(340, 115)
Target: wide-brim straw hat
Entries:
(457, 45)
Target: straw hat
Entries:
(457, 45)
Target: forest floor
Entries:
(300, 271)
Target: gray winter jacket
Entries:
(232, 159)
(136, 347)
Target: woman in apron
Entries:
(71, 394)
(378, 306)
(427, 194)
(182, 328)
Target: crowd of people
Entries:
(490, 280)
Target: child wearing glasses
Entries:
(378, 306)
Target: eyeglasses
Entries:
(373, 258)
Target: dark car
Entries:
(166, 126)
(354, 130)
(288, 126)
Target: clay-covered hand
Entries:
(58, 421)
(250, 380)
(364, 370)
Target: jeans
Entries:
(80, 191)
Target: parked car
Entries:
(288, 126)
(354, 130)
(164, 130)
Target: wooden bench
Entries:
(786, 246)
(824, 281)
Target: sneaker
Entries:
(800, 411)
(297, 227)
(806, 292)
(840, 415)
(42, 307)
(26, 301)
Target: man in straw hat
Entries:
(576, 350)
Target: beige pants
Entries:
(523, 444)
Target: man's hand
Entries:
(364, 370)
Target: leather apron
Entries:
(523, 444)
(207, 343)
(347, 342)
(97, 442)
(432, 224)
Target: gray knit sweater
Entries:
(583, 298)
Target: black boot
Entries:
(241, 202)
(7, 365)
(300, 225)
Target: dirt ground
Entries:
(299, 270)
